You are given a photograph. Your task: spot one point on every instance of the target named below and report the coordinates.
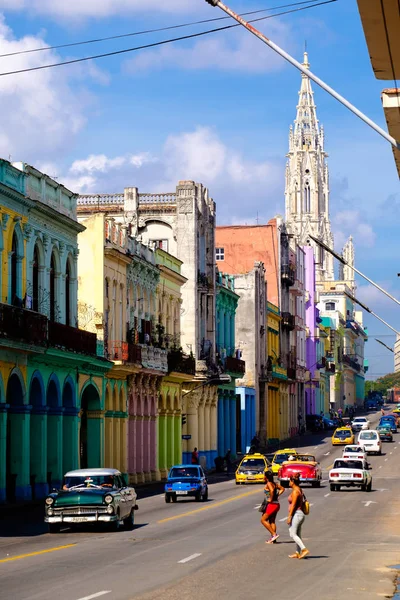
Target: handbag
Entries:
(306, 506)
(263, 506)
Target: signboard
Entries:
(186, 437)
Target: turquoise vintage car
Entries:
(91, 496)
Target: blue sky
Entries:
(215, 109)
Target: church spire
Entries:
(307, 179)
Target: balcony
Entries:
(349, 360)
(235, 365)
(288, 275)
(278, 372)
(288, 321)
(71, 338)
(155, 359)
(181, 363)
(291, 373)
(22, 325)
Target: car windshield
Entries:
(304, 458)
(344, 433)
(368, 435)
(350, 449)
(348, 464)
(252, 463)
(176, 473)
(360, 420)
(90, 482)
(280, 458)
(385, 427)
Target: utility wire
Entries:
(147, 31)
(154, 44)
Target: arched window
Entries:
(329, 306)
(35, 279)
(307, 199)
(53, 288)
(68, 294)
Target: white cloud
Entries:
(375, 299)
(234, 50)
(240, 187)
(76, 9)
(45, 110)
(350, 222)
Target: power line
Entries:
(147, 31)
(154, 44)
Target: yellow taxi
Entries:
(343, 436)
(251, 469)
(280, 457)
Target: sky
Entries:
(215, 109)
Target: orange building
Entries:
(239, 246)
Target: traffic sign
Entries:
(186, 437)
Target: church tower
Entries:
(346, 273)
(307, 181)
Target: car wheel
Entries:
(369, 486)
(129, 522)
(205, 497)
(316, 484)
(237, 482)
(332, 487)
(338, 488)
(114, 525)
(167, 498)
(198, 497)
(379, 453)
(174, 498)
(363, 487)
(54, 527)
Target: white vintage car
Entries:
(354, 452)
(370, 440)
(350, 473)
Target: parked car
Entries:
(390, 421)
(343, 436)
(370, 441)
(359, 423)
(280, 457)
(184, 481)
(306, 465)
(350, 473)
(354, 452)
(385, 433)
(314, 423)
(91, 496)
(252, 468)
(329, 424)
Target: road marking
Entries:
(281, 520)
(390, 452)
(385, 459)
(326, 495)
(315, 447)
(383, 490)
(327, 454)
(3, 560)
(96, 595)
(368, 502)
(191, 557)
(208, 507)
(256, 507)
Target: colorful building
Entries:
(52, 383)
(277, 411)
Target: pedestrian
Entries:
(340, 412)
(272, 492)
(382, 411)
(195, 457)
(228, 460)
(296, 516)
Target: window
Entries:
(68, 294)
(52, 288)
(162, 244)
(329, 306)
(219, 254)
(35, 280)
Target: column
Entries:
(232, 330)
(192, 427)
(162, 444)
(222, 330)
(55, 447)
(124, 443)
(201, 423)
(117, 441)
(227, 419)
(3, 450)
(95, 432)
(213, 437)
(207, 433)
(19, 423)
(132, 449)
(170, 440)
(38, 453)
(226, 333)
(139, 449)
(221, 428)
(249, 419)
(178, 439)
(153, 448)
(232, 420)
(146, 447)
(108, 439)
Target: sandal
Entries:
(294, 555)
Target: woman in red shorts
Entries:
(273, 491)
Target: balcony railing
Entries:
(23, 325)
(348, 360)
(71, 338)
(288, 275)
(288, 321)
(125, 352)
(181, 363)
(154, 358)
(235, 365)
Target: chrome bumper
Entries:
(81, 519)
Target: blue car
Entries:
(391, 421)
(184, 481)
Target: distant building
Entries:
(397, 354)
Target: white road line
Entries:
(390, 452)
(191, 557)
(281, 520)
(326, 495)
(327, 454)
(256, 507)
(385, 459)
(367, 503)
(324, 480)
(311, 504)
(95, 595)
(315, 447)
(380, 467)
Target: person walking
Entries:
(296, 516)
(228, 460)
(195, 457)
(272, 492)
(382, 411)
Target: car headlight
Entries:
(49, 501)
(108, 499)
(50, 511)
(110, 509)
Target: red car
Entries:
(306, 465)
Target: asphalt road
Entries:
(217, 550)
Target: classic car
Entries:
(359, 423)
(186, 480)
(91, 496)
(370, 441)
(385, 433)
(395, 416)
(350, 473)
(391, 421)
(251, 469)
(354, 452)
(343, 436)
(306, 465)
(280, 457)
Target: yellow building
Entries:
(278, 395)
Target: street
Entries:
(217, 549)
